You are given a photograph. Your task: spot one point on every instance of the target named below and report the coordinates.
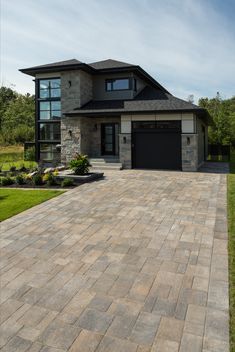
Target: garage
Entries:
(156, 145)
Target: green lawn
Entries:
(14, 155)
(231, 247)
(14, 201)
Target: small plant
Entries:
(51, 180)
(12, 168)
(22, 168)
(29, 154)
(80, 164)
(67, 182)
(37, 180)
(20, 180)
(7, 181)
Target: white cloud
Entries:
(187, 45)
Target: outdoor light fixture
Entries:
(70, 83)
(124, 140)
(70, 133)
(188, 140)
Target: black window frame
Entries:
(48, 141)
(38, 121)
(111, 80)
(50, 89)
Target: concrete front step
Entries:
(107, 163)
(103, 167)
(105, 160)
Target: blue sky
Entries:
(187, 45)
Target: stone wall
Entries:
(76, 90)
(125, 150)
(189, 152)
(70, 138)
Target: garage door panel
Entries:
(154, 150)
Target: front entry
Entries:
(109, 138)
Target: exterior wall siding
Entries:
(99, 92)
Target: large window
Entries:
(49, 110)
(49, 131)
(118, 84)
(49, 152)
(48, 116)
(49, 88)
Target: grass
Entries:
(231, 248)
(14, 155)
(14, 201)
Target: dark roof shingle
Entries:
(148, 100)
(109, 64)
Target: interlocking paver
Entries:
(136, 262)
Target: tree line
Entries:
(17, 118)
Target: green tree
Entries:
(222, 130)
(16, 116)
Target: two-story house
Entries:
(116, 111)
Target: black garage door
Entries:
(156, 145)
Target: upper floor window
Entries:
(49, 88)
(49, 110)
(117, 84)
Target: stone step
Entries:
(110, 166)
(104, 160)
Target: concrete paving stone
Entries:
(121, 326)
(217, 323)
(170, 329)
(17, 344)
(158, 252)
(193, 328)
(101, 303)
(29, 333)
(87, 341)
(94, 320)
(145, 329)
(162, 345)
(59, 335)
(35, 347)
(215, 345)
(164, 307)
(109, 343)
(8, 308)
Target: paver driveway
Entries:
(135, 262)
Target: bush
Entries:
(37, 180)
(80, 164)
(6, 181)
(51, 180)
(20, 180)
(22, 168)
(12, 168)
(67, 182)
(29, 154)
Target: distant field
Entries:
(13, 155)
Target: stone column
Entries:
(70, 138)
(125, 150)
(189, 152)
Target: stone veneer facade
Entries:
(76, 90)
(83, 134)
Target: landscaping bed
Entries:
(55, 178)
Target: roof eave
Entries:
(33, 71)
(127, 112)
